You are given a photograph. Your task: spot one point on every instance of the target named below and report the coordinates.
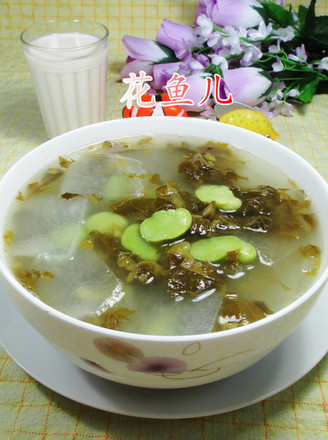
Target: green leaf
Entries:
(215, 69)
(306, 76)
(170, 55)
(263, 13)
(308, 91)
(302, 11)
(279, 14)
(309, 25)
(269, 77)
(313, 31)
(321, 30)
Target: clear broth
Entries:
(47, 243)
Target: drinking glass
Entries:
(68, 63)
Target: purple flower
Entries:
(247, 85)
(284, 34)
(215, 39)
(281, 107)
(293, 93)
(208, 113)
(143, 49)
(232, 40)
(162, 73)
(238, 13)
(158, 365)
(218, 60)
(261, 33)
(251, 54)
(276, 92)
(277, 66)
(323, 65)
(202, 59)
(135, 66)
(277, 104)
(196, 92)
(176, 36)
(274, 48)
(300, 56)
(204, 26)
(194, 64)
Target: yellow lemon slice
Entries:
(251, 120)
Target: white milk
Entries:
(69, 72)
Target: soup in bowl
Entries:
(163, 252)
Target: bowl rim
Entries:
(87, 133)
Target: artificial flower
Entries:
(251, 55)
(162, 73)
(176, 36)
(284, 34)
(237, 13)
(323, 64)
(300, 56)
(247, 85)
(268, 55)
(196, 92)
(219, 60)
(143, 49)
(277, 66)
(135, 66)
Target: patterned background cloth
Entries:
(29, 410)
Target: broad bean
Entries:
(133, 241)
(216, 248)
(220, 194)
(106, 223)
(166, 225)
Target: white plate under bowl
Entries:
(290, 361)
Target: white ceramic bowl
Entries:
(164, 361)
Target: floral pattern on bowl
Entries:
(168, 367)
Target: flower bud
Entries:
(142, 49)
(176, 36)
(247, 85)
(237, 13)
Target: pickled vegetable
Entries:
(141, 207)
(236, 312)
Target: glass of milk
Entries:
(68, 64)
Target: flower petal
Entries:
(176, 36)
(135, 66)
(162, 73)
(196, 92)
(142, 49)
(159, 365)
(246, 84)
(237, 13)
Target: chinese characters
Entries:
(176, 87)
